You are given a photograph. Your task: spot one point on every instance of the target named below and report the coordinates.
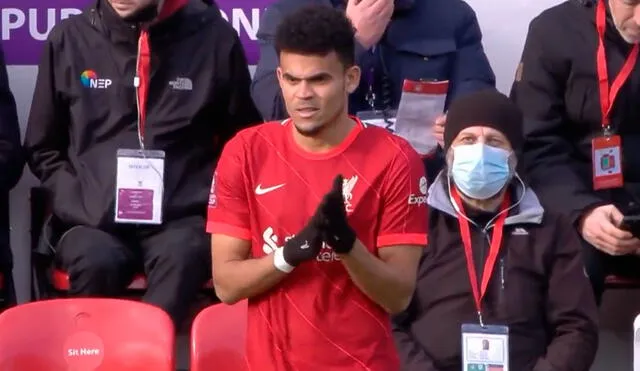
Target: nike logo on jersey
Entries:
(261, 191)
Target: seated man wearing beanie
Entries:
(498, 268)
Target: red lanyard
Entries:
(142, 72)
(496, 242)
(607, 97)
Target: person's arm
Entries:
(241, 110)
(11, 155)
(389, 278)
(572, 314)
(46, 138)
(538, 91)
(412, 355)
(236, 275)
(471, 70)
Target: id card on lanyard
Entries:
(606, 153)
(484, 347)
(140, 172)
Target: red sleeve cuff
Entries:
(402, 239)
(229, 230)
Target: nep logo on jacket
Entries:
(89, 79)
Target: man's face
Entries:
(626, 17)
(127, 8)
(480, 134)
(315, 89)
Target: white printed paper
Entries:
(420, 104)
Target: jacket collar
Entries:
(526, 209)
(103, 17)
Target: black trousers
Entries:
(599, 265)
(175, 257)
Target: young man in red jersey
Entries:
(322, 265)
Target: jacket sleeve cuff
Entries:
(359, 50)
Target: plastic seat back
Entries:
(218, 338)
(86, 334)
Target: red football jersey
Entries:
(266, 188)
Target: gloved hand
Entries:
(307, 243)
(336, 231)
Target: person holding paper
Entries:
(397, 41)
(578, 85)
(323, 242)
(11, 165)
(498, 267)
(129, 115)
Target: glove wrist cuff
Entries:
(280, 263)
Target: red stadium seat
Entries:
(86, 334)
(218, 338)
(60, 281)
(617, 282)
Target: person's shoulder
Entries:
(380, 140)
(559, 16)
(77, 24)
(266, 131)
(209, 19)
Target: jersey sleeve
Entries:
(403, 218)
(228, 210)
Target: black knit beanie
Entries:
(485, 108)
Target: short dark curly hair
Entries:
(317, 30)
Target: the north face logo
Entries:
(520, 232)
(181, 83)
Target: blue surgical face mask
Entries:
(480, 171)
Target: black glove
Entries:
(307, 243)
(336, 231)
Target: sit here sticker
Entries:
(84, 351)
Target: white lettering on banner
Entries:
(14, 18)
(239, 18)
(243, 21)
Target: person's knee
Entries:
(186, 258)
(90, 252)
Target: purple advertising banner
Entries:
(25, 24)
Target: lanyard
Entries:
(496, 242)
(142, 74)
(608, 93)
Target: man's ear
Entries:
(353, 75)
(279, 74)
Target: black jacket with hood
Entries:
(557, 90)
(538, 288)
(198, 97)
(11, 165)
